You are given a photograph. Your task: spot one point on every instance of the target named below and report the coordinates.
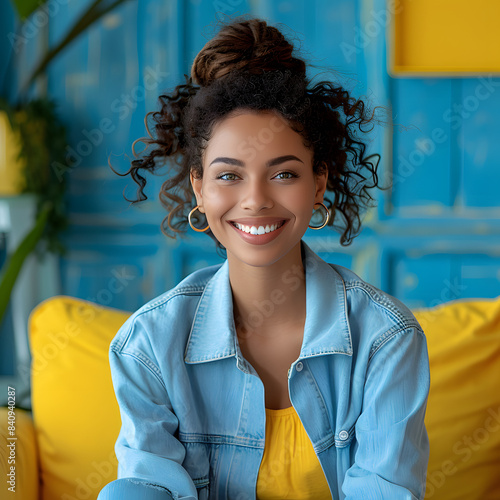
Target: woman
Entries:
(274, 375)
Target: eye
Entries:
(229, 176)
(285, 175)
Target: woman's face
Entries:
(257, 178)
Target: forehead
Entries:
(248, 133)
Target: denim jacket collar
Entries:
(326, 331)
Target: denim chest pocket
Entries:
(200, 462)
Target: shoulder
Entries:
(175, 308)
(360, 291)
(374, 316)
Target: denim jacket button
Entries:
(299, 366)
(343, 435)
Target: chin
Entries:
(260, 255)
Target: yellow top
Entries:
(290, 468)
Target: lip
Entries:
(259, 239)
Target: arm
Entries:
(149, 456)
(392, 444)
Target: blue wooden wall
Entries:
(434, 237)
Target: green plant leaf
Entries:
(94, 12)
(14, 263)
(26, 7)
(46, 165)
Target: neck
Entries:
(270, 299)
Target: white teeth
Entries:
(257, 230)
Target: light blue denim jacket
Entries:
(193, 409)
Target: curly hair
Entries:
(250, 66)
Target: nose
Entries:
(256, 196)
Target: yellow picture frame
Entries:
(443, 38)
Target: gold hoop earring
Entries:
(326, 217)
(191, 224)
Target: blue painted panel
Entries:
(480, 275)
(296, 16)
(324, 33)
(335, 38)
(7, 42)
(205, 18)
(195, 253)
(340, 258)
(477, 115)
(126, 269)
(20, 42)
(117, 269)
(355, 256)
(72, 73)
(426, 281)
(109, 282)
(421, 165)
(341, 36)
(122, 79)
(106, 204)
(107, 75)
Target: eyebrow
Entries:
(270, 163)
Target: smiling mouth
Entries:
(268, 228)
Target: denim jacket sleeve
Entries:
(393, 447)
(148, 427)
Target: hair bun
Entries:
(250, 46)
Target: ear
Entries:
(197, 189)
(321, 182)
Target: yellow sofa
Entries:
(64, 450)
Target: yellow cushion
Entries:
(463, 412)
(74, 407)
(77, 418)
(20, 453)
